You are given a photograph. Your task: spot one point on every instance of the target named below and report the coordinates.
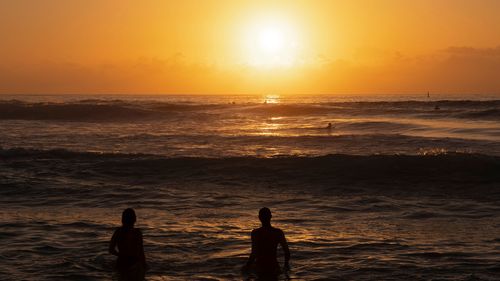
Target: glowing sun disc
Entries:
(271, 40)
(271, 43)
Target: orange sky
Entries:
(210, 46)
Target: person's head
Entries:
(128, 217)
(265, 215)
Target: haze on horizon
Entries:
(249, 47)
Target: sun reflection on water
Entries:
(272, 99)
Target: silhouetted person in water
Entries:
(131, 262)
(265, 242)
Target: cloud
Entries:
(454, 70)
(469, 51)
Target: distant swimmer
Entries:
(329, 127)
(265, 242)
(127, 245)
(437, 107)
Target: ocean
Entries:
(397, 187)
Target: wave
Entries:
(489, 114)
(76, 112)
(424, 109)
(92, 110)
(377, 126)
(413, 103)
(115, 110)
(392, 172)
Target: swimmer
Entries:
(127, 245)
(265, 242)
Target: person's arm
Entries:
(286, 250)
(252, 256)
(112, 243)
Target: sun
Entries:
(271, 43)
(271, 40)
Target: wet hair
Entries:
(128, 217)
(265, 215)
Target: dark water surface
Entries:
(346, 217)
(400, 188)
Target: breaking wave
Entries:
(95, 110)
(443, 168)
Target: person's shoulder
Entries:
(137, 231)
(134, 230)
(117, 233)
(258, 231)
(278, 231)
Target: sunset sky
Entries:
(249, 47)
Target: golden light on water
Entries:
(272, 99)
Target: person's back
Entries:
(265, 242)
(131, 262)
(129, 244)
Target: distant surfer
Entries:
(329, 128)
(127, 245)
(265, 242)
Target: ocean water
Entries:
(401, 187)
(200, 126)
